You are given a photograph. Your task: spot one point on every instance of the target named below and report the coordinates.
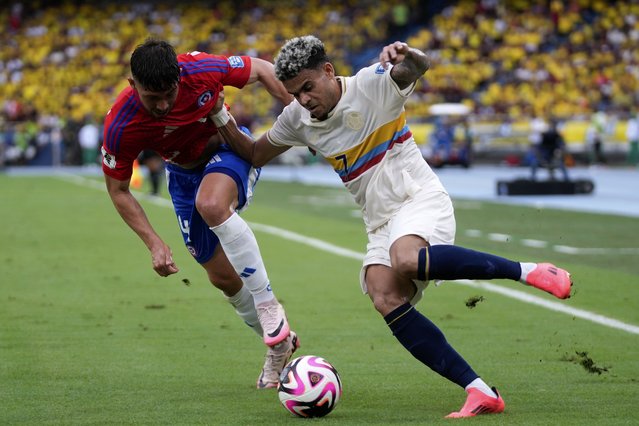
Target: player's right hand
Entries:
(218, 105)
(162, 258)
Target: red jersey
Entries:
(180, 136)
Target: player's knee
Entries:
(213, 210)
(386, 302)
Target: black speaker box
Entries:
(544, 187)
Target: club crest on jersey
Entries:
(354, 120)
(108, 159)
(236, 62)
(204, 98)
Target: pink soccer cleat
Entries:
(478, 403)
(551, 279)
(274, 323)
(276, 358)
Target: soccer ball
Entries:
(309, 386)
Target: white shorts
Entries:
(429, 215)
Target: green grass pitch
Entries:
(90, 335)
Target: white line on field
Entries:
(504, 238)
(514, 294)
(344, 252)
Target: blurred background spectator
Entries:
(89, 140)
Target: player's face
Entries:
(158, 104)
(317, 90)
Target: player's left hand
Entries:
(394, 53)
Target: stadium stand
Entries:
(63, 62)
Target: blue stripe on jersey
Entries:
(204, 65)
(380, 148)
(128, 118)
(199, 71)
(202, 61)
(123, 112)
(125, 115)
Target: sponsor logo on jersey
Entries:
(192, 250)
(380, 69)
(204, 98)
(108, 159)
(236, 62)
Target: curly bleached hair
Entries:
(299, 53)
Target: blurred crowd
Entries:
(61, 66)
(527, 58)
(63, 62)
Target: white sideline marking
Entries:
(534, 243)
(340, 251)
(313, 242)
(552, 305)
(505, 238)
(504, 291)
(595, 250)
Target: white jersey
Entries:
(366, 140)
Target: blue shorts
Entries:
(183, 185)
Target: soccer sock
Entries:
(241, 249)
(526, 268)
(244, 306)
(480, 385)
(448, 262)
(427, 343)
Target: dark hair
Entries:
(154, 65)
(297, 54)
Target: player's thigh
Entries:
(216, 197)
(404, 253)
(227, 185)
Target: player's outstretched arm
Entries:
(408, 63)
(132, 213)
(258, 152)
(263, 72)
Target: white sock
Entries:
(241, 249)
(244, 306)
(526, 268)
(479, 384)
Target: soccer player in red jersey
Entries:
(165, 109)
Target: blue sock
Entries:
(447, 262)
(427, 343)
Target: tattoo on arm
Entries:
(414, 65)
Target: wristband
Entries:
(221, 117)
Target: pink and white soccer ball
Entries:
(309, 386)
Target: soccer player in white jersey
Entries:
(358, 124)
